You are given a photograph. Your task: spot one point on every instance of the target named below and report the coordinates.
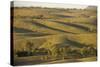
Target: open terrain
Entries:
(53, 35)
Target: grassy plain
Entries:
(53, 35)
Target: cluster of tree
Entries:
(34, 52)
(30, 50)
(69, 52)
(56, 52)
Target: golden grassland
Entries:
(57, 34)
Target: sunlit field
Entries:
(54, 35)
